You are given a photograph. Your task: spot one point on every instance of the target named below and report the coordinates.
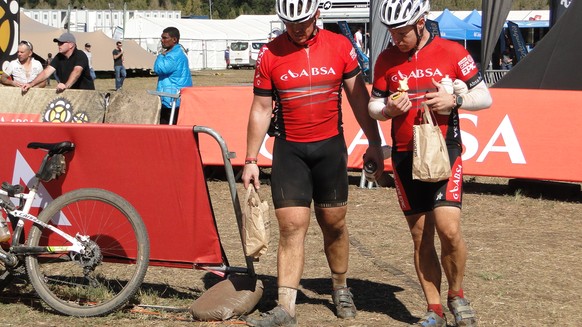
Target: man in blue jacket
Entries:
(173, 72)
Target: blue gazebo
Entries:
(453, 28)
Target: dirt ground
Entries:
(523, 267)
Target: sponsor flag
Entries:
(433, 27)
(519, 49)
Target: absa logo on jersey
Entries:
(419, 73)
(315, 71)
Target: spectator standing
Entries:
(227, 57)
(359, 38)
(506, 60)
(70, 66)
(173, 72)
(118, 66)
(430, 208)
(303, 71)
(90, 58)
(23, 69)
(49, 58)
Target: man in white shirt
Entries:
(89, 56)
(359, 38)
(23, 69)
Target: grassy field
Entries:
(199, 78)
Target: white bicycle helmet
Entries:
(399, 13)
(296, 11)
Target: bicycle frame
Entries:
(19, 248)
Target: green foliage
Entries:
(228, 9)
(438, 5)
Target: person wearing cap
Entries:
(70, 65)
(23, 69)
(90, 58)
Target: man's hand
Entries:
(251, 174)
(398, 105)
(61, 87)
(440, 100)
(25, 87)
(375, 154)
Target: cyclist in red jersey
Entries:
(297, 92)
(422, 61)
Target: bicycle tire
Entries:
(121, 237)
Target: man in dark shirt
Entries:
(70, 64)
(120, 72)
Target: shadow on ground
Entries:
(368, 296)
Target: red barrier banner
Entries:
(155, 168)
(520, 136)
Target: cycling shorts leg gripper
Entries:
(415, 196)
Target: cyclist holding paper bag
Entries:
(407, 75)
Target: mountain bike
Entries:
(87, 252)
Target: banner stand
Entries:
(226, 156)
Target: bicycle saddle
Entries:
(53, 148)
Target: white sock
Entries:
(287, 297)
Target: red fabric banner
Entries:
(521, 136)
(156, 168)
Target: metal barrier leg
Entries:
(173, 112)
(226, 156)
(364, 183)
(174, 98)
(362, 179)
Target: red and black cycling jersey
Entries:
(429, 63)
(305, 83)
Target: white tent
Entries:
(41, 36)
(204, 40)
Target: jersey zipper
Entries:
(310, 80)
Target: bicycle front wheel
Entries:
(115, 258)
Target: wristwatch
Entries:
(458, 101)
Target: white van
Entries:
(244, 53)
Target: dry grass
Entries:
(199, 78)
(523, 268)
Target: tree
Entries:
(154, 4)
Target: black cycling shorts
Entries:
(415, 196)
(303, 172)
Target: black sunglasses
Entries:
(28, 44)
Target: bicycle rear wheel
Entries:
(115, 261)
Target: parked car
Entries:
(244, 53)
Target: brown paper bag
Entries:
(430, 160)
(255, 224)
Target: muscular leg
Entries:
(453, 247)
(335, 241)
(293, 224)
(426, 262)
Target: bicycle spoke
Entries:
(112, 265)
